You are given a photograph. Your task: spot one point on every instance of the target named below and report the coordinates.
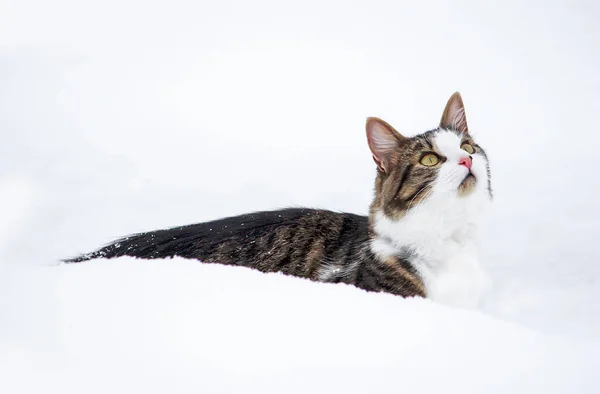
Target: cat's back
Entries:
(294, 240)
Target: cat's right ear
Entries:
(454, 115)
(385, 143)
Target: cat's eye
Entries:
(430, 159)
(468, 148)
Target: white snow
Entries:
(129, 116)
(163, 326)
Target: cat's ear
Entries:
(385, 143)
(454, 116)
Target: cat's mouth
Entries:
(468, 184)
(470, 176)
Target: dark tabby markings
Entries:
(405, 175)
(316, 244)
(419, 189)
(404, 186)
(408, 273)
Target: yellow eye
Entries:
(430, 159)
(468, 148)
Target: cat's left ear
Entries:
(385, 143)
(454, 116)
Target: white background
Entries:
(125, 116)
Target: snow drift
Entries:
(179, 326)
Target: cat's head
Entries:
(444, 166)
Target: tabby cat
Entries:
(418, 240)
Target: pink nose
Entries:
(466, 161)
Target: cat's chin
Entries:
(468, 185)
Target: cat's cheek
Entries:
(449, 177)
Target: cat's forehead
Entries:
(447, 139)
(439, 139)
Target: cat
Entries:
(420, 238)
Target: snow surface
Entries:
(165, 326)
(128, 116)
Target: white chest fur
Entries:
(441, 235)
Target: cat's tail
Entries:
(83, 257)
(108, 251)
(177, 241)
(135, 246)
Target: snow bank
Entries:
(178, 326)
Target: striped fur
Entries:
(316, 244)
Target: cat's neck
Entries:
(441, 241)
(431, 230)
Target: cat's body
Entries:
(316, 244)
(420, 238)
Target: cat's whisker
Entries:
(416, 195)
(426, 195)
(449, 176)
(429, 192)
